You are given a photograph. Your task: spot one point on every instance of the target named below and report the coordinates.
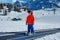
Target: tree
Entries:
(9, 6)
(17, 6)
(1, 6)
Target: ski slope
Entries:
(46, 21)
(38, 34)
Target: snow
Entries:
(58, 3)
(55, 36)
(7, 25)
(46, 21)
(6, 34)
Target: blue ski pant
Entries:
(30, 29)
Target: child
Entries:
(30, 22)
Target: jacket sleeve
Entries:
(33, 19)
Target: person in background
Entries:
(5, 10)
(30, 23)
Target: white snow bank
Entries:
(46, 21)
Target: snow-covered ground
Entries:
(43, 20)
(48, 20)
(55, 36)
(58, 3)
(6, 34)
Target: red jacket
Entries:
(30, 19)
